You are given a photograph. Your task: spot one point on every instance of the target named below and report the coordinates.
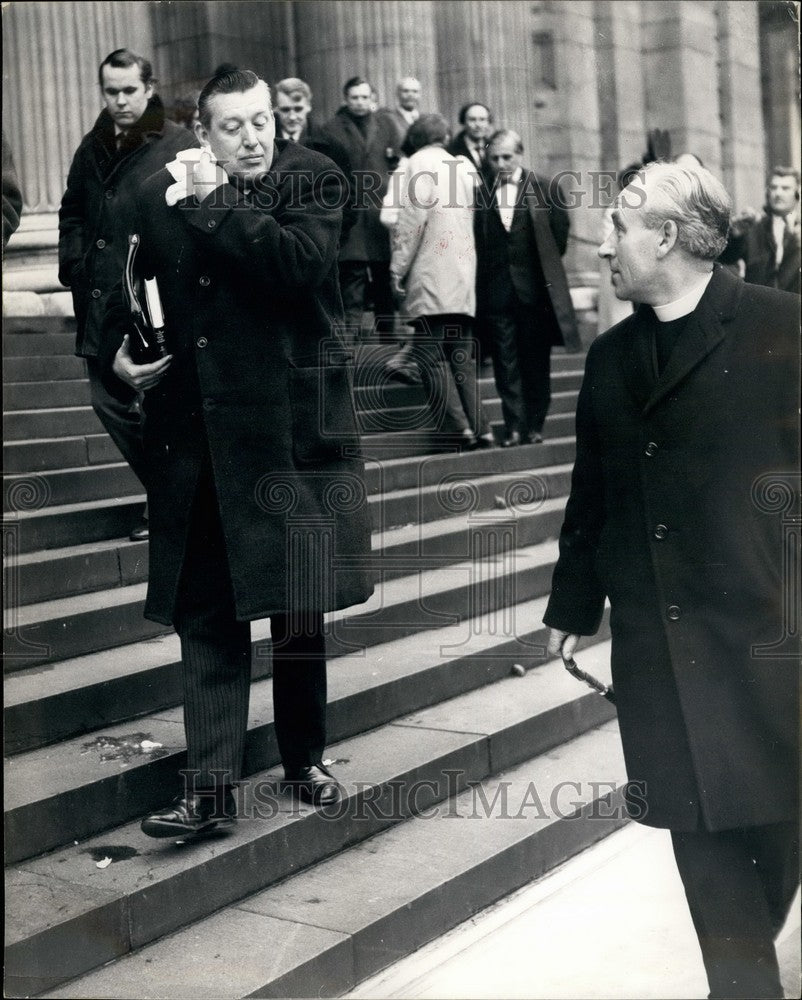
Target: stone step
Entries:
(38, 325)
(327, 929)
(77, 695)
(45, 633)
(37, 369)
(57, 487)
(54, 422)
(45, 395)
(31, 342)
(42, 522)
(68, 916)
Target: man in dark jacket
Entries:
(130, 140)
(371, 140)
(522, 295)
(769, 244)
(685, 487)
(257, 500)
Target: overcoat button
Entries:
(204, 280)
(100, 244)
(202, 342)
(96, 293)
(661, 531)
(211, 223)
(109, 194)
(673, 612)
(651, 449)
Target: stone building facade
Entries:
(582, 80)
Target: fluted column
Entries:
(742, 153)
(381, 41)
(51, 52)
(680, 53)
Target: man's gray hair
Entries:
(692, 198)
(506, 134)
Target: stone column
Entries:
(742, 154)
(51, 52)
(620, 82)
(779, 58)
(680, 55)
(380, 41)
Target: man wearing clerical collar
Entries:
(687, 436)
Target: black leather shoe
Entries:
(313, 785)
(192, 814)
(141, 533)
(513, 439)
(486, 441)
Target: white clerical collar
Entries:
(684, 305)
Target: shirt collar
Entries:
(685, 304)
(516, 177)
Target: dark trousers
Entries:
(740, 885)
(447, 358)
(216, 662)
(522, 367)
(122, 421)
(356, 276)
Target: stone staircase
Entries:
(463, 779)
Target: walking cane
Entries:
(591, 681)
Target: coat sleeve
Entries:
(412, 217)
(577, 595)
(72, 220)
(559, 221)
(295, 245)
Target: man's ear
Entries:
(668, 238)
(201, 133)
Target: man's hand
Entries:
(139, 377)
(562, 643)
(196, 173)
(398, 290)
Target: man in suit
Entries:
(258, 505)
(129, 141)
(769, 244)
(522, 292)
(407, 107)
(471, 142)
(687, 459)
(371, 140)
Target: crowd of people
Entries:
(687, 421)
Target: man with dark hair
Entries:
(130, 140)
(769, 243)
(371, 141)
(258, 504)
(522, 292)
(686, 480)
(293, 109)
(471, 142)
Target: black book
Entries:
(141, 294)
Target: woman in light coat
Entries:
(433, 272)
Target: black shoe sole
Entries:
(161, 829)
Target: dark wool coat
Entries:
(549, 226)
(251, 299)
(674, 517)
(368, 153)
(758, 249)
(95, 214)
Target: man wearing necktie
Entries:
(686, 480)
(522, 291)
(130, 140)
(471, 142)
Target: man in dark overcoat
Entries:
(371, 140)
(687, 462)
(522, 294)
(130, 140)
(258, 504)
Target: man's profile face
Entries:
(477, 122)
(631, 248)
(292, 110)
(782, 194)
(408, 94)
(125, 94)
(504, 158)
(358, 100)
(241, 131)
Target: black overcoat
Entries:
(251, 301)
(680, 504)
(95, 213)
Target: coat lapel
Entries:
(704, 332)
(638, 370)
